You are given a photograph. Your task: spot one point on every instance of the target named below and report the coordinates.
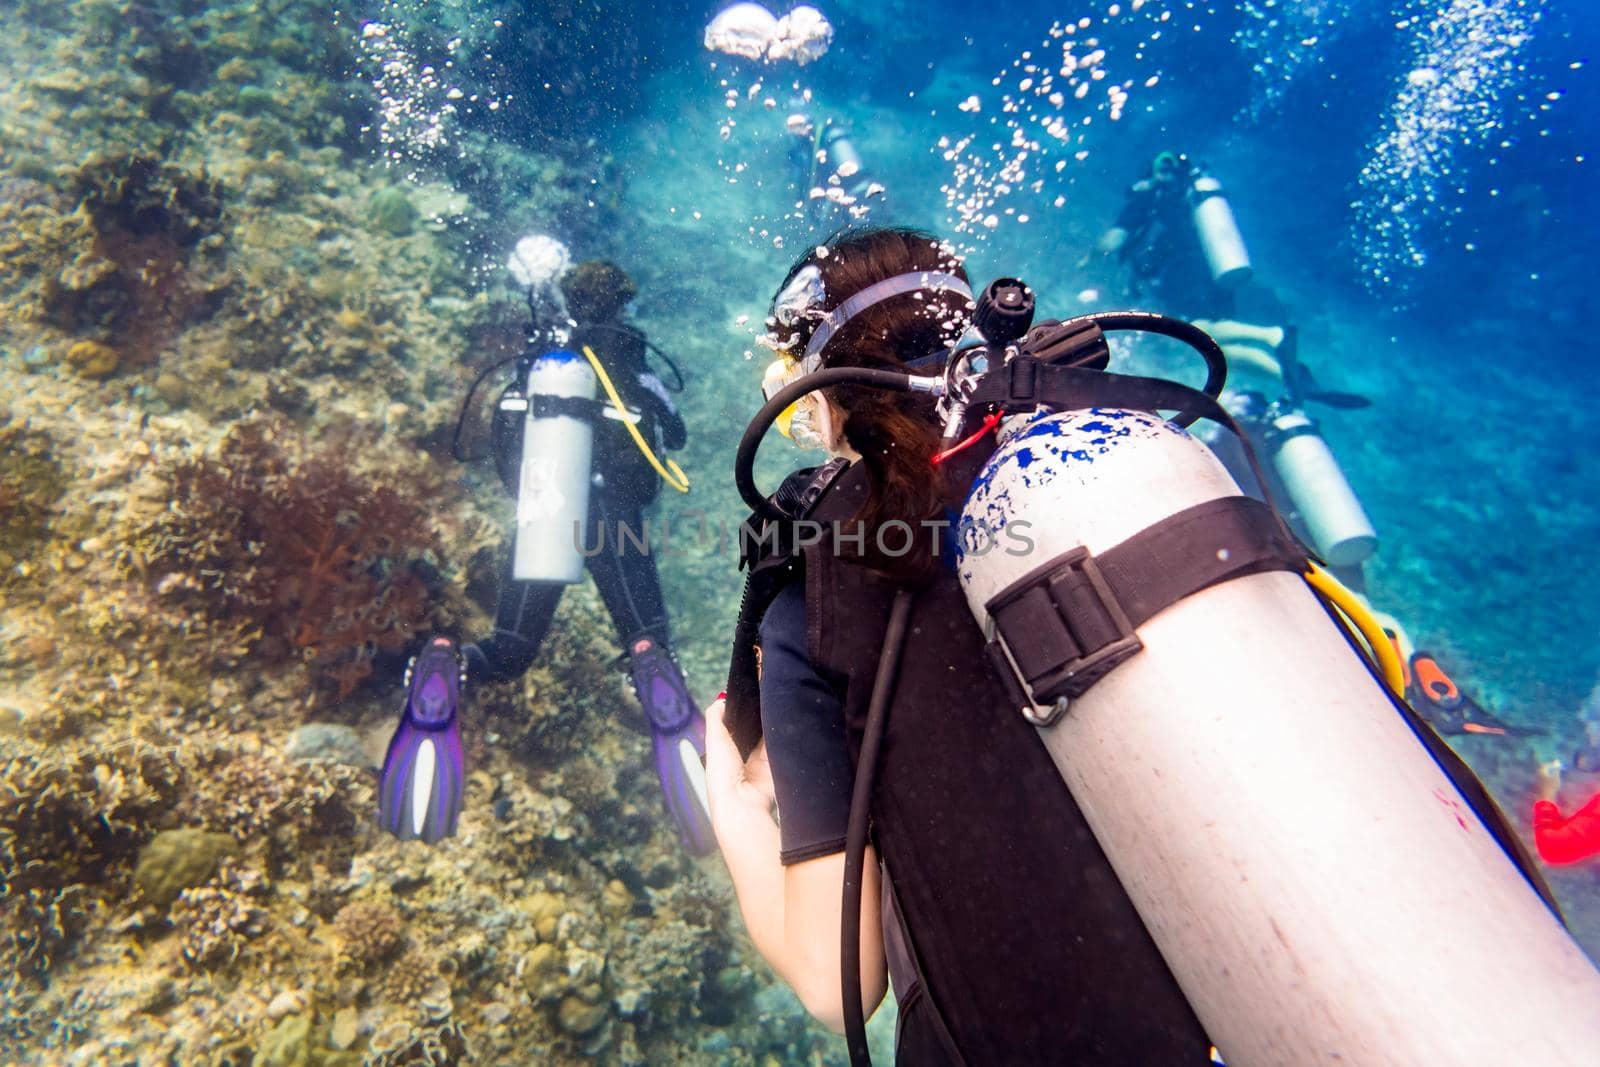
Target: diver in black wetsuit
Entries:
(620, 464)
(1157, 239)
(624, 483)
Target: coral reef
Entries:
(130, 276)
(372, 932)
(323, 562)
(38, 924)
(215, 924)
(77, 817)
(30, 484)
(234, 338)
(176, 860)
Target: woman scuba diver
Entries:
(956, 808)
(1063, 734)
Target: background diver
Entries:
(832, 184)
(1178, 240)
(575, 440)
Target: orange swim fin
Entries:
(1448, 710)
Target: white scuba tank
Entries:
(553, 486)
(1318, 886)
(1339, 528)
(1219, 233)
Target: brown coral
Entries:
(411, 977)
(251, 794)
(215, 924)
(324, 558)
(93, 359)
(69, 816)
(38, 926)
(31, 482)
(371, 931)
(401, 1043)
(142, 197)
(129, 274)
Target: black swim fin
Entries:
(1306, 388)
(1300, 384)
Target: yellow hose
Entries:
(673, 477)
(1333, 591)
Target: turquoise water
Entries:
(254, 254)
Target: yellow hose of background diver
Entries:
(675, 477)
(1334, 592)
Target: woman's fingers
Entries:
(729, 776)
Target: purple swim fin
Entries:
(419, 795)
(678, 738)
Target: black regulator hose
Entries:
(745, 459)
(856, 833)
(1166, 326)
(456, 450)
(1106, 321)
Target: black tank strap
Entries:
(1195, 549)
(1069, 622)
(770, 550)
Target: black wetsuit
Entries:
(1162, 252)
(623, 570)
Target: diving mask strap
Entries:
(877, 293)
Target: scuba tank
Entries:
(1219, 233)
(1318, 884)
(1333, 516)
(829, 173)
(844, 161)
(1324, 877)
(556, 407)
(1309, 473)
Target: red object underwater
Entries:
(1562, 840)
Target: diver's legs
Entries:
(521, 620)
(626, 575)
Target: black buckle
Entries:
(1063, 629)
(1061, 345)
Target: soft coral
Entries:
(322, 557)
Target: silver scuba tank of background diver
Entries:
(843, 164)
(1219, 235)
(1335, 519)
(553, 484)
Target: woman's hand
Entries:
(792, 913)
(737, 789)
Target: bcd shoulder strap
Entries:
(770, 551)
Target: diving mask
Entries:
(803, 298)
(797, 421)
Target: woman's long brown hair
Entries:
(896, 433)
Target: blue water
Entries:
(1416, 183)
